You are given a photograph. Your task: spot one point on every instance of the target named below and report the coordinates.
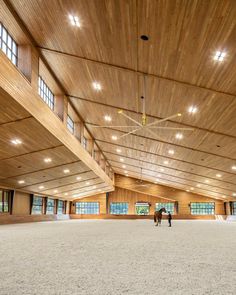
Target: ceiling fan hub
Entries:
(144, 120)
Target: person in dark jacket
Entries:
(169, 218)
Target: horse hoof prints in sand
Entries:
(158, 216)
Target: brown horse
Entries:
(158, 216)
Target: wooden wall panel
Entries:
(123, 195)
(21, 203)
(183, 198)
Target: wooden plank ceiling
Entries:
(178, 62)
(23, 166)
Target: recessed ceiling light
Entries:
(159, 175)
(206, 181)
(114, 137)
(66, 194)
(118, 150)
(192, 109)
(179, 136)
(126, 175)
(21, 181)
(233, 167)
(192, 188)
(123, 166)
(218, 175)
(74, 20)
(155, 182)
(107, 118)
(220, 55)
(198, 185)
(162, 169)
(47, 160)
(99, 190)
(41, 187)
(16, 141)
(224, 197)
(87, 183)
(97, 86)
(187, 190)
(125, 171)
(234, 194)
(121, 159)
(166, 162)
(55, 191)
(171, 152)
(66, 170)
(94, 186)
(78, 178)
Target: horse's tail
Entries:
(155, 218)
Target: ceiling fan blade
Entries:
(163, 120)
(173, 128)
(154, 134)
(128, 117)
(100, 126)
(131, 132)
(142, 185)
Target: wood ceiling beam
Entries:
(55, 179)
(148, 115)
(157, 186)
(80, 187)
(207, 192)
(130, 70)
(42, 170)
(176, 181)
(91, 193)
(167, 142)
(148, 169)
(158, 155)
(31, 153)
(15, 121)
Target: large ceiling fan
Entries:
(143, 123)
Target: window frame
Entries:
(70, 124)
(166, 205)
(5, 194)
(117, 210)
(143, 204)
(233, 207)
(200, 209)
(46, 93)
(63, 207)
(84, 142)
(37, 205)
(11, 50)
(53, 207)
(84, 210)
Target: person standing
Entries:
(169, 218)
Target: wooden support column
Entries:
(35, 70)
(25, 60)
(59, 107)
(65, 110)
(102, 163)
(90, 146)
(81, 131)
(45, 201)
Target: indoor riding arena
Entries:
(117, 147)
